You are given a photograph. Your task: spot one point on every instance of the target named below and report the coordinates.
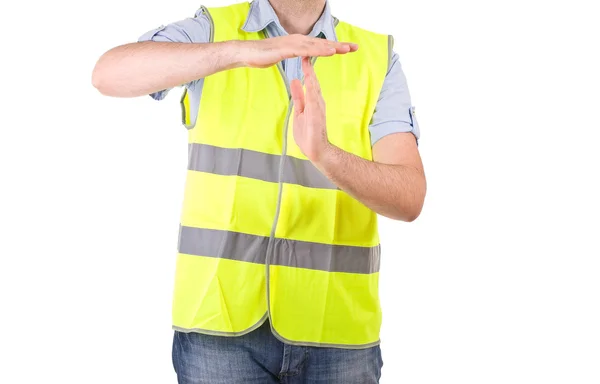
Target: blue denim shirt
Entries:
(393, 112)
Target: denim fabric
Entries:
(259, 358)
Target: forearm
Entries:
(394, 191)
(142, 68)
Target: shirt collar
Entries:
(261, 14)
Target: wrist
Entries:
(326, 157)
(239, 52)
(234, 52)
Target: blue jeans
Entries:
(259, 358)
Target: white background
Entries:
(496, 282)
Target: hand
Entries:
(267, 52)
(310, 128)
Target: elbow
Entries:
(105, 77)
(410, 212)
(409, 215)
(109, 81)
(412, 216)
(402, 213)
(99, 80)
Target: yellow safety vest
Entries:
(263, 233)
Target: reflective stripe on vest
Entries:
(298, 254)
(255, 165)
(263, 233)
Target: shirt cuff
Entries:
(149, 36)
(381, 130)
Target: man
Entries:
(277, 271)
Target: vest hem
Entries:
(221, 333)
(321, 345)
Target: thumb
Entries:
(298, 96)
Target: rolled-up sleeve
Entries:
(394, 112)
(190, 30)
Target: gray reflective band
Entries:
(291, 253)
(325, 257)
(255, 165)
(222, 244)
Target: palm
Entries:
(310, 131)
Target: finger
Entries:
(342, 47)
(298, 96)
(336, 48)
(307, 70)
(312, 46)
(313, 89)
(353, 47)
(319, 50)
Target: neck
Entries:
(298, 16)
